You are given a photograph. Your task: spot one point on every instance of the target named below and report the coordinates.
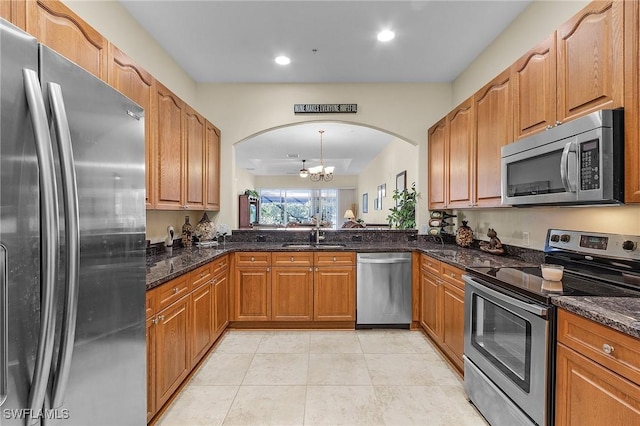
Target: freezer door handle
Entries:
(72, 238)
(49, 229)
(4, 324)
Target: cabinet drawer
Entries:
(452, 275)
(610, 348)
(172, 291)
(430, 264)
(201, 275)
(220, 264)
(151, 302)
(334, 258)
(292, 258)
(251, 258)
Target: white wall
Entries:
(397, 157)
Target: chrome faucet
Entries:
(316, 233)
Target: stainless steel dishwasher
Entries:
(383, 290)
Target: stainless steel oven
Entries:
(510, 321)
(506, 355)
(578, 162)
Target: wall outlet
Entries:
(223, 228)
(525, 239)
(424, 229)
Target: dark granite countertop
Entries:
(164, 266)
(619, 313)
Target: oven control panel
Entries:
(597, 243)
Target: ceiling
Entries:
(328, 41)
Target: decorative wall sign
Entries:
(324, 108)
(365, 203)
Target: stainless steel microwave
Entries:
(575, 163)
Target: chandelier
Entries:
(320, 172)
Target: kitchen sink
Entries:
(443, 252)
(314, 246)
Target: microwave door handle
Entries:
(564, 166)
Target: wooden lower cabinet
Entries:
(442, 307)
(597, 374)
(334, 293)
(301, 286)
(185, 316)
(252, 293)
(292, 294)
(173, 360)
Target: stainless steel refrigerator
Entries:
(72, 235)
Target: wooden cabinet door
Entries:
(430, 305)
(453, 323)
(252, 294)
(212, 167)
(632, 102)
(591, 60)
(138, 85)
(221, 302)
(151, 367)
(334, 293)
(202, 305)
(169, 157)
(292, 293)
(589, 394)
(437, 163)
(534, 89)
(173, 361)
(493, 110)
(194, 172)
(14, 11)
(56, 26)
(460, 154)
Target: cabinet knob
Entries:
(452, 275)
(316, 269)
(549, 127)
(310, 269)
(335, 260)
(292, 259)
(175, 290)
(253, 259)
(215, 280)
(607, 349)
(268, 269)
(161, 318)
(154, 321)
(558, 122)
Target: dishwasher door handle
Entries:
(385, 261)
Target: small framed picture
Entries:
(401, 183)
(376, 204)
(365, 203)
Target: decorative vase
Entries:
(187, 233)
(205, 229)
(464, 235)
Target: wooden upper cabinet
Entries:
(460, 152)
(212, 167)
(195, 156)
(138, 85)
(494, 121)
(168, 129)
(55, 25)
(436, 147)
(632, 103)
(591, 60)
(14, 11)
(534, 89)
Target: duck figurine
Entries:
(493, 246)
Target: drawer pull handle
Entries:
(175, 290)
(607, 349)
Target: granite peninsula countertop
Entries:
(165, 266)
(619, 313)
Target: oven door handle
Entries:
(538, 310)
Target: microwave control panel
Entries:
(589, 165)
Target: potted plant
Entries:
(403, 215)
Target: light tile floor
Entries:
(362, 377)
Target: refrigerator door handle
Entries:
(49, 230)
(72, 238)
(4, 324)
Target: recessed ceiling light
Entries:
(283, 60)
(386, 35)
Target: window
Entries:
(299, 206)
